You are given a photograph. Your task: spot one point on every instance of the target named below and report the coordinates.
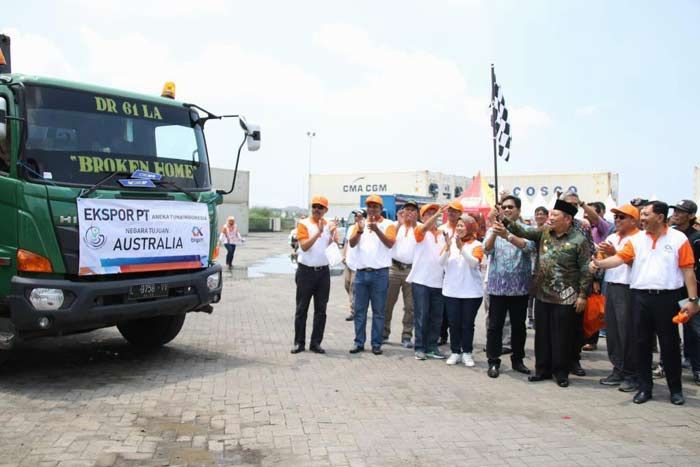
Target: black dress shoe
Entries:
(563, 382)
(377, 350)
(577, 370)
(696, 377)
(521, 368)
(357, 349)
(492, 371)
(641, 397)
(677, 398)
(536, 378)
(297, 348)
(317, 349)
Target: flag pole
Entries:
(493, 137)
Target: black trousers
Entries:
(554, 338)
(311, 283)
(652, 315)
(499, 306)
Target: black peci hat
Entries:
(565, 207)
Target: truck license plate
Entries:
(137, 292)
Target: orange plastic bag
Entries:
(594, 316)
(681, 318)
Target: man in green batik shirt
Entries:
(561, 282)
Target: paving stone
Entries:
(227, 391)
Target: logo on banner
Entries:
(94, 238)
(197, 235)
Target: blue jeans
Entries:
(428, 307)
(462, 314)
(230, 250)
(370, 286)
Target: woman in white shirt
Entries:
(462, 288)
(230, 237)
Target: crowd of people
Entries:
(527, 273)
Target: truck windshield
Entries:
(76, 138)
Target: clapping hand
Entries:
(607, 249)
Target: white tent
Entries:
(538, 201)
(527, 210)
(609, 204)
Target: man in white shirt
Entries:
(373, 240)
(313, 277)
(618, 303)
(401, 260)
(662, 263)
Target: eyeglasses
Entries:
(508, 206)
(317, 206)
(620, 217)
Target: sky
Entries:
(592, 86)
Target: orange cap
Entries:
(628, 210)
(374, 199)
(319, 200)
(456, 205)
(428, 207)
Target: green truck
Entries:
(107, 213)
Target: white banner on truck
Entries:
(119, 236)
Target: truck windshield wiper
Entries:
(163, 182)
(85, 192)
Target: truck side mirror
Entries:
(3, 120)
(253, 137)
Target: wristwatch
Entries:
(693, 299)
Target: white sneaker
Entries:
(467, 359)
(454, 359)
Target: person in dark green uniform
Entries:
(561, 283)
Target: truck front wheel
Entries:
(152, 332)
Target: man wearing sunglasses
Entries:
(508, 285)
(618, 303)
(313, 277)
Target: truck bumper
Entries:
(90, 305)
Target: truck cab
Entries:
(108, 212)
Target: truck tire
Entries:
(152, 332)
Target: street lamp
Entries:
(310, 135)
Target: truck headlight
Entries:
(46, 299)
(214, 281)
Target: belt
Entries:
(656, 291)
(315, 268)
(400, 265)
(371, 269)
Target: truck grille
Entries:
(68, 240)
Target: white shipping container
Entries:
(344, 190)
(589, 186)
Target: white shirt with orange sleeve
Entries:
(463, 278)
(620, 274)
(316, 255)
(405, 244)
(657, 263)
(370, 252)
(427, 269)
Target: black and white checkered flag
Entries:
(499, 119)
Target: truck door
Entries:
(9, 133)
